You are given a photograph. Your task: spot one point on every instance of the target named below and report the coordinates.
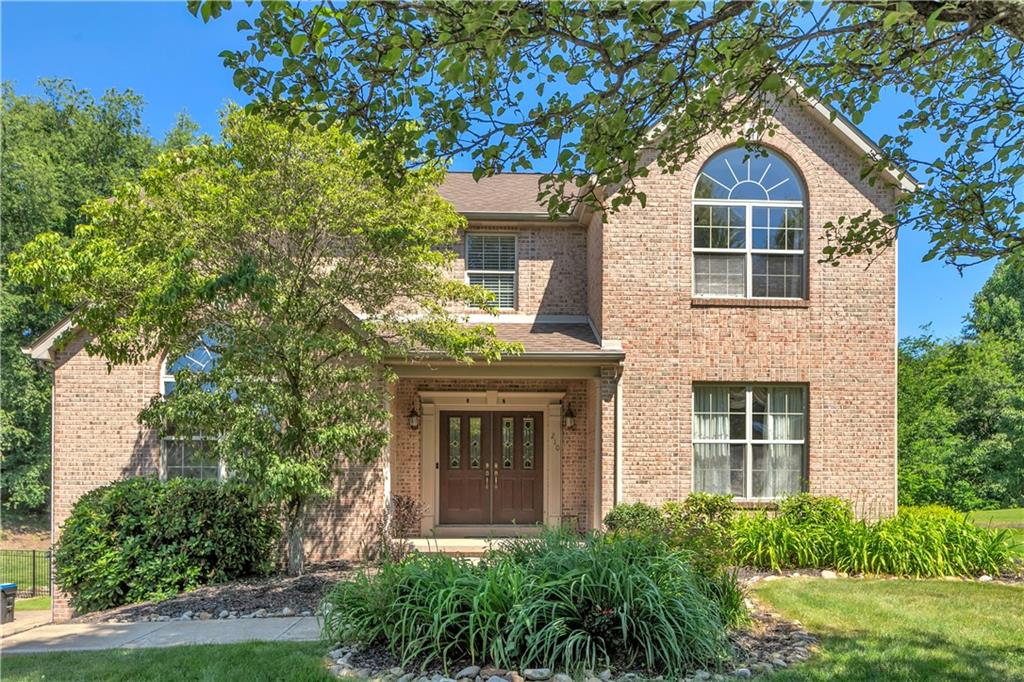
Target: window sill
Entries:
(770, 504)
(698, 302)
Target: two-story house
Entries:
(695, 344)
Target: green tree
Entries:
(603, 86)
(282, 252)
(57, 151)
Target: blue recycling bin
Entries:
(7, 592)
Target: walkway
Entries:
(92, 636)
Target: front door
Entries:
(491, 467)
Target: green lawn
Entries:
(32, 603)
(904, 629)
(1011, 519)
(298, 661)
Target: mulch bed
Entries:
(265, 597)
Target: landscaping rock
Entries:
(396, 671)
(537, 674)
(701, 675)
(605, 675)
(741, 672)
(204, 615)
(561, 677)
(829, 575)
(490, 671)
(408, 677)
(259, 613)
(469, 671)
(513, 676)
(287, 611)
(985, 579)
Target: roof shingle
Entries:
(506, 193)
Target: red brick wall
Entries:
(841, 344)
(96, 435)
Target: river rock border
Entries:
(223, 614)
(769, 643)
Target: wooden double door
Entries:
(491, 467)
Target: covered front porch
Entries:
(504, 449)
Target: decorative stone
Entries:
(490, 671)
(779, 663)
(407, 677)
(259, 613)
(829, 575)
(561, 677)
(701, 675)
(537, 674)
(605, 675)
(594, 679)
(204, 615)
(287, 612)
(513, 676)
(741, 672)
(224, 613)
(468, 671)
(396, 671)
(985, 579)
(307, 612)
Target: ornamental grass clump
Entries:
(575, 603)
(811, 532)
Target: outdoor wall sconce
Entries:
(414, 418)
(569, 418)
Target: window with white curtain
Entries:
(491, 264)
(749, 441)
(749, 227)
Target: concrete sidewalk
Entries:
(94, 636)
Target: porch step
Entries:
(464, 547)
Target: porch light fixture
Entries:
(569, 418)
(414, 418)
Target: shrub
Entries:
(559, 600)
(702, 523)
(142, 539)
(392, 527)
(638, 517)
(920, 542)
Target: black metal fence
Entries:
(29, 568)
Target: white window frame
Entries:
(748, 252)
(514, 271)
(222, 472)
(750, 441)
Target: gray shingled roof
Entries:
(549, 337)
(506, 193)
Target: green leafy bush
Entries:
(702, 524)
(636, 517)
(578, 603)
(822, 533)
(142, 539)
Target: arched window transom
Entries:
(749, 227)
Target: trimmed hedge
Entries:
(141, 539)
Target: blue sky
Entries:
(170, 58)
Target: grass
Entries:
(32, 604)
(1011, 519)
(904, 629)
(296, 661)
(16, 567)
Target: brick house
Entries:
(694, 344)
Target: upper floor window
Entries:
(188, 457)
(749, 227)
(491, 264)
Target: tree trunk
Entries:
(295, 529)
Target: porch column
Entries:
(553, 465)
(428, 468)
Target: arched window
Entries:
(188, 457)
(749, 227)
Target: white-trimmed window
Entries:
(749, 227)
(187, 457)
(749, 441)
(491, 263)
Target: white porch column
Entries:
(428, 467)
(553, 465)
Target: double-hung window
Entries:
(188, 457)
(491, 264)
(749, 441)
(749, 227)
